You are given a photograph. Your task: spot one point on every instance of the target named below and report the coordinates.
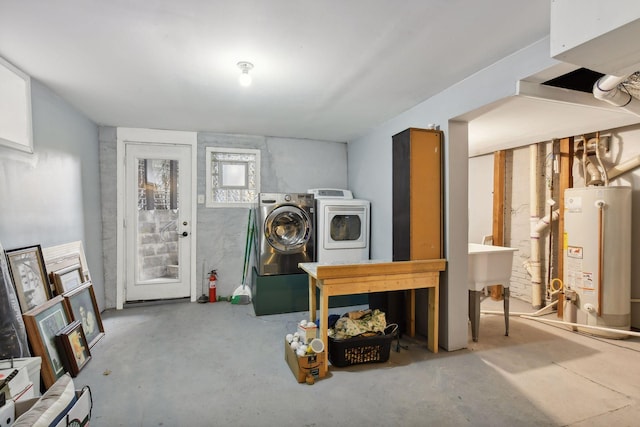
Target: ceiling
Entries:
(538, 113)
(327, 70)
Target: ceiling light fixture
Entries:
(244, 79)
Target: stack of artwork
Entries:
(58, 305)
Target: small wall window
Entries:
(232, 176)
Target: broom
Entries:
(242, 294)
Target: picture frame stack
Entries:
(58, 304)
(72, 341)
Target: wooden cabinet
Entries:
(417, 212)
(417, 194)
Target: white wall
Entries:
(480, 197)
(52, 196)
(370, 173)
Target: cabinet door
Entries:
(417, 195)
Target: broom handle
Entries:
(246, 248)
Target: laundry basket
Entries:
(358, 350)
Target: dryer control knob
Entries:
(287, 197)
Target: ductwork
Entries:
(607, 89)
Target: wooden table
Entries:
(375, 276)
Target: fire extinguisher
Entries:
(212, 286)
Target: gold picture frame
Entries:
(73, 344)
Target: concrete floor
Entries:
(179, 364)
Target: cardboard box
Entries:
(301, 366)
(31, 364)
(19, 387)
(308, 333)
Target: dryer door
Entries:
(287, 229)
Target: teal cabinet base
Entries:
(289, 293)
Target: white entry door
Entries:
(158, 221)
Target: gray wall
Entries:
(52, 196)
(287, 165)
(370, 174)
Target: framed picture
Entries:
(81, 303)
(29, 276)
(73, 344)
(62, 256)
(43, 324)
(68, 279)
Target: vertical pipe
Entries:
(600, 205)
(565, 180)
(535, 267)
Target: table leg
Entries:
(434, 303)
(312, 299)
(506, 312)
(324, 327)
(474, 313)
(412, 313)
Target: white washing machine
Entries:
(342, 225)
(284, 223)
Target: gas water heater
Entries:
(597, 258)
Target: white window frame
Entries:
(210, 203)
(16, 130)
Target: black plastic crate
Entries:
(357, 350)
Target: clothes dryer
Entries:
(285, 232)
(342, 226)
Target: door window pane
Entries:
(158, 209)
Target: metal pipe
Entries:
(599, 328)
(512, 313)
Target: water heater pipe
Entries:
(605, 175)
(623, 167)
(600, 205)
(599, 328)
(606, 89)
(535, 268)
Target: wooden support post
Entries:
(499, 166)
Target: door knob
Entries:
(185, 234)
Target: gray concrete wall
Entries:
(52, 196)
(287, 165)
